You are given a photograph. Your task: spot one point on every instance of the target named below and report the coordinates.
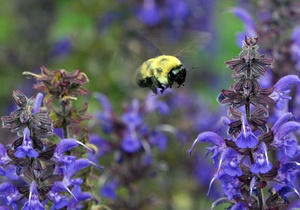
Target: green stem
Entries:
(247, 110)
(63, 113)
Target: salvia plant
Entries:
(257, 164)
(39, 167)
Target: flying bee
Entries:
(161, 72)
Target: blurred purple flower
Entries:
(177, 10)
(132, 117)
(62, 47)
(104, 117)
(2, 171)
(108, 19)
(295, 46)
(149, 13)
(159, 139)
(108, 190)
(130, 142)
(4, 208)
(249, 24)
(102, 147)
(200, 166)
(152, 103)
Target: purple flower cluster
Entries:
(132, 142)
(244, 160)
(39, 172)
(276, 23)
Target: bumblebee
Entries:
(161, 72)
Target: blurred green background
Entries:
(107, 41)
(99, 38)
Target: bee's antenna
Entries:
(194, 67)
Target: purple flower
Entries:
(33, 202)
(26, 148)
(149, 13)
(130, 142)
(61, 47)
(108, 190)
(249, 24)
(11, 172)
(4, 208)
(4, 159)
(59, 201)
(177, 9)
(213, 138)
(105, 116)
(282, 138)
(239, 206)
(71, 170)
(102, 147)
(10, 194)
(132, 117)
(230, 186)
(295, 46)
(246, 138)
(37, 103)
(288, 172)
(80, 196)
(262, 164)
(63, 146)
(287, 189)
(2, 171)
(281, 88)
(232, 160)
(153, 103)
(160, 139)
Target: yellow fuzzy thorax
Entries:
(160, 67)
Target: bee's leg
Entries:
(156, 84)
(153, 88)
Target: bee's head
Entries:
(177, 75)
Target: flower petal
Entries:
(282, 119)
(285, 82)
(287, 128)
(208, 136)
(38, 102)
(67, 144)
